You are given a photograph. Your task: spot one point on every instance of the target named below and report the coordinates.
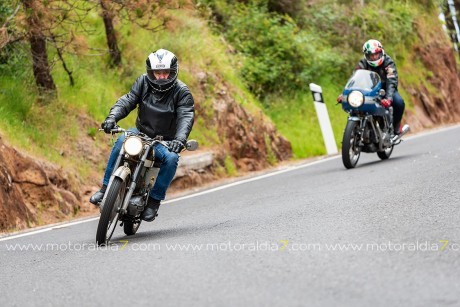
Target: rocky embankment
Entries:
(436, 98)
(34, 192)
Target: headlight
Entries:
(355, 99)
(133, 145)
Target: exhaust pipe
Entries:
(404, 130)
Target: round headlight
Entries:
(133, 145)
(355, 99)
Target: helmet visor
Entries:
(159, 74)
(374, 56)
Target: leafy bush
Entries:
(275, 57)
(278, 56)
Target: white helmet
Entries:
(373, 52)
(162, 60)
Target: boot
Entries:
(98, 196)
(397, 128)
(150, 211)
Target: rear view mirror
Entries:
(191, 145)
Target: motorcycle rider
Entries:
(376, 60)
(165, 109)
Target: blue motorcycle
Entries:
(369, 126)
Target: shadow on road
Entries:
(337, 167)
(150, 235)
(391, 159)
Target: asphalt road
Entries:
(384, 234)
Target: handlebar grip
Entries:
(114, 130)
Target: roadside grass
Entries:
(295, 117)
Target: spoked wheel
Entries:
(131, 227)
(350, 148)
(110, 211)
(386, 153)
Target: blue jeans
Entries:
(169, 161)
(398, 109)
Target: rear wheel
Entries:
(386, 153)
(350, 148)
(131, 227)
(110, 211)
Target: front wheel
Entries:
(350, 148)
(386, 153)
(110, 211)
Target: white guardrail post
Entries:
(324, 121)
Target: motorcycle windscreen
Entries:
(363, 79)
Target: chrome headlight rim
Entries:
(356, 99)
(133, 145)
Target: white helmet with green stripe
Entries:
(373, 52)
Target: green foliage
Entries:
(92, 132)
(5, 10)
(271, 157)
(230, 166)
(15, 76)
(278, 55)
(267, 50)
(292, 8)
(273, 63)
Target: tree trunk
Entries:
(107, 16)
(450, 24)
(41, 68)
(457, 20)
(457, 8)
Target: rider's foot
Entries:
(150, 211)
(98, 196)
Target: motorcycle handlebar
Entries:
(114, 130)
(190, 145)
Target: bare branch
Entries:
(59, 52)
(12, 16)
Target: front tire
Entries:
(110, 211)
(130, 227)
(386, 153)
(350, 150)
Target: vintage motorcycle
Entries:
(134, 174)
(369, 127)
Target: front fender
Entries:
(122, 172)
(354, 119)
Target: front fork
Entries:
(118, 171)
(362, 125)
(363, 122)
(134, 178)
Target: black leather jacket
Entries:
(387, 72)
(170, 114)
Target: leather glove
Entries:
(386, 102)
(176, 146)
(108, 124)
(340, 98)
